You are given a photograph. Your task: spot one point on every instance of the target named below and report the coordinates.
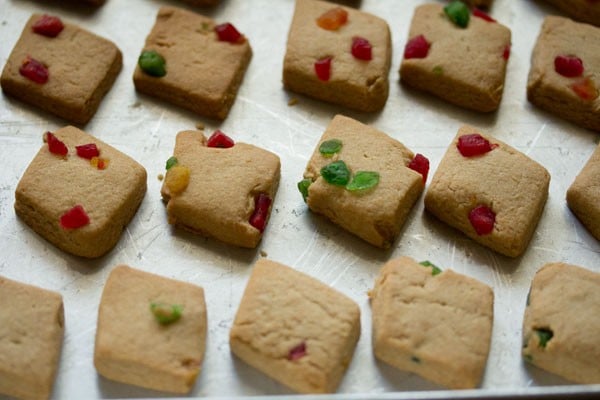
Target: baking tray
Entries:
(145, 129)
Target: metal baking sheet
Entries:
(145, 129)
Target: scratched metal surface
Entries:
(145, 129)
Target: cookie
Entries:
(561, 329)
(193, 63)
(583, 196)
(565, 64)
(587, 11)
(491, 192)
(79, 193)
(433, 323)
(219, 188)
(367, 184)
(338, 54)
(61, 68)
(31, 335)
(151, 331)
(295, 329)
(457, 56)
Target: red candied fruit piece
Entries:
(333, 19)
(48, 25)
(87, 151)
(420, 163)
(482, 219)
(569, 66)
(297, 352)
(323, 68)
(75, 218)
(261, 211)
(585, 89)
(227, 33)
(55, 146)
(34, 70)
(219, 139)
(480, 14)
(417, 47)
(506, 52)
(474, 145)
(361, 48)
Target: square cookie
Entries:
(565, 66)
(151, 331)
(200, 71)
(31, 335)
(295, 329)
(433, 323)
(465, 66)
(491, 192)
(561, 328)
(581, 10)
(225, 193)
(80, 204)
(583, 196)
(67, 74)
(338, 54)
(377, 213)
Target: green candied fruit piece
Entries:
(166, 313)
(434, 269)
(336, 173)
(415, 359)
(363, 180)
(303, 187)
(171, 162)
(438, 70)
(458, 12)
(544, 335)
(152, 63)
(528, 358)
(329, 147)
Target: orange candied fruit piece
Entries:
(586, 89)
(333, 19)
(177, 179)
(100, 163)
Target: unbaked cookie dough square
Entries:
(565, 71)
(79, 193)
(561, 328)
(218, 188)
(583, 196)
(461, 62)
(31, 336)
(437, 324)
(587, 11)
(367, 183)
(65, 71)
(151, 331)
(491, 192)
(193, 63)
(295, 329)
(338, 54)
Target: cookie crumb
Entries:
(137, 104)
(293, 101)
(263, 253)
(160, 177)
(200, 126)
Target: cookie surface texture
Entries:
(464, 66)
(375, 214)
(437, 325)
(31, 336)
(224, 184)
(109, 192)
(561, 329)
(295, 329)
(355, 83)
(502, 180)
(81, 68)
(203, 74)
(133, 347)
(574, 98)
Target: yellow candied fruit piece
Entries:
(100, 163)
(177, 179)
